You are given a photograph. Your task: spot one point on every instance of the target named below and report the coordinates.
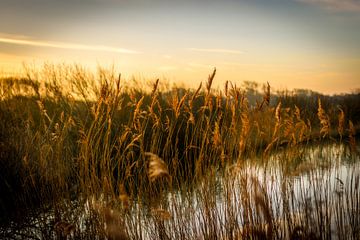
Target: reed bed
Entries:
(110, 148)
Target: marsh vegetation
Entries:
(88, 156)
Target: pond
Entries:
(307, 192)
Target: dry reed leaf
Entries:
(267, 95)
(179, 105)
(226, 88)
(278, 119)
(245, 128)
(157, 167)
(341, 122)
(43, 109)
(266, 98)
(278, 112)
(234, 169)
(210, 81)
(352, 134)
(161, 214)
(138, 106)
(216, 135)
(194, 96)
(155, 87)
(270, 146)
(191, 119)
(324, 120)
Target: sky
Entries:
(309, 44)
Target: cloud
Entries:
(336, 5)
(216, 50)
(21, 40)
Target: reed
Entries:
(152, 159)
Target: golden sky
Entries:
(312, 44)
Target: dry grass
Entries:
(324, 120)
(70, 135)
(157, 167)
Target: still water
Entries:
(313, 190)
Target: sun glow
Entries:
(61, 45)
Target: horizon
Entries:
(297, 44)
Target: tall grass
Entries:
(68, 134)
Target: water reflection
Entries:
(310, 191)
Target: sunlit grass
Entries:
(68, 135)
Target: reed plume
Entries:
(196, 93)
(341, 123)
(352, 134)
(278, 119)
(226, 88)
(217, 135)
(324, 120)
(245, 127)
(157, 167)
(155, 86)
(266, 98)
(137, 114)
(210, 81)
(179, 105)
(208, 99)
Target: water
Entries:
(312, 190)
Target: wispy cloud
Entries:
(216, 50)
(62, 45)
(336, 5)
